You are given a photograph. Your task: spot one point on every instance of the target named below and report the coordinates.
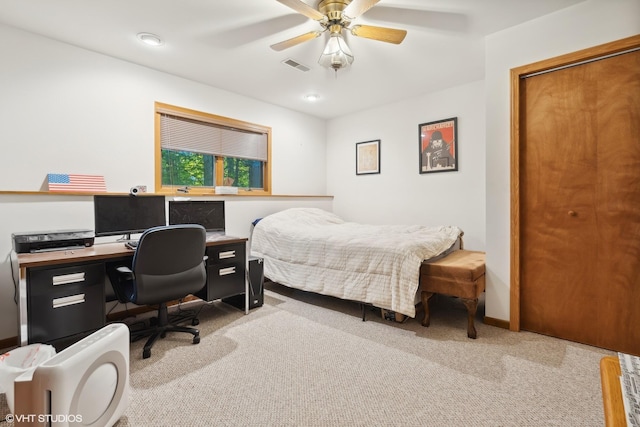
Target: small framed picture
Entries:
(368, 157)
(438, 145)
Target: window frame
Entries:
(161, 108)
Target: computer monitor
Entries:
(126, 214)
(207, 213)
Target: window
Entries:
(201, 151)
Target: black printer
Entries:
(42, 241)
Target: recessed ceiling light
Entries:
(150, 39)
(312, 97)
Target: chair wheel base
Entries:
(146, 354)
(196, 339)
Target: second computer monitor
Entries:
(207, 213)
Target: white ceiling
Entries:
(225, 44)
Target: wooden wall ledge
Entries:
(81, 193)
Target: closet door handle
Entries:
(572, 213)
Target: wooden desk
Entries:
(98, 251)
(614, 415)
(62, 293)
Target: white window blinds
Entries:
(184, 134)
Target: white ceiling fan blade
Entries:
(295, 41)
(303, 8)
(358, 7)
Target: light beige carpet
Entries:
(309, 360)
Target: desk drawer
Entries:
(65, 301)
(46, 280)
(225, 272)
(226, 254)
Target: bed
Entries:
(316, 251)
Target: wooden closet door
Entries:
(580, 203)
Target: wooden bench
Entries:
(459, 274)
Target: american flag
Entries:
(73, 182)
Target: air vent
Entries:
(298, 66)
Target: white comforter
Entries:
(315, 250)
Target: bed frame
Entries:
(458, 245)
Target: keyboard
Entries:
(131, 244)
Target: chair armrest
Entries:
(125, 271)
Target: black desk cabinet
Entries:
(226, 268)
(65, 300)
(61, 294)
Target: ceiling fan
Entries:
(336, 16)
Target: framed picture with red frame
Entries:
(438, 145)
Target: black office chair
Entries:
(169, 264)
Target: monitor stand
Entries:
(125, 238)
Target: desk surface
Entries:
(99, 251)
(614, 414)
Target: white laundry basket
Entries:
(19, 360)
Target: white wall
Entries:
(400, 194)
(68, 110)
(582, 26)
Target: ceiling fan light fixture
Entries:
(336, 54)
(150, 39)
